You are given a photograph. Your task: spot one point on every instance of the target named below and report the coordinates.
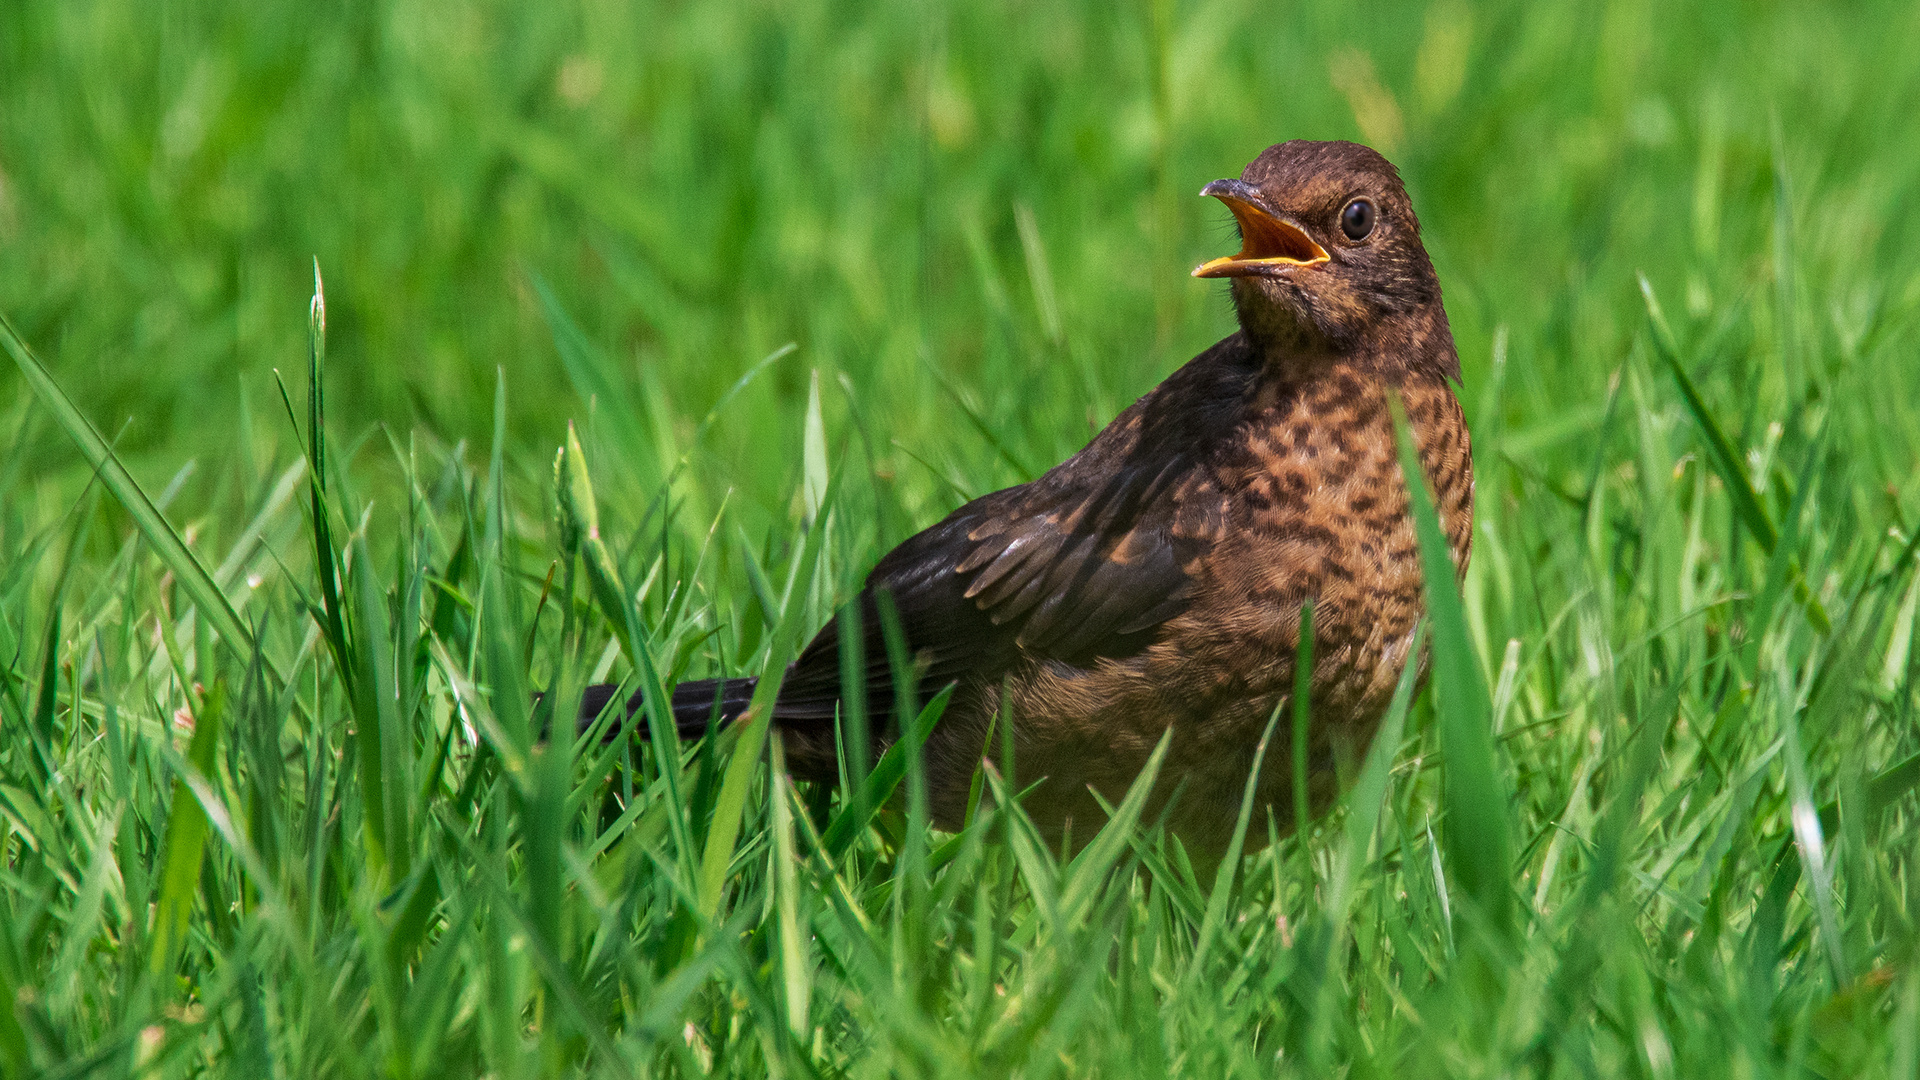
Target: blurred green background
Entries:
(989, 203)
(974, 223)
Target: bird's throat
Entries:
(1295, 332)
(1276, 319)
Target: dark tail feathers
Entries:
(693, 704)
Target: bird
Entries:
(1155, 579)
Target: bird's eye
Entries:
(1357, 219)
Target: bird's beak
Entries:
(1268, 242)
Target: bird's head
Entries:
(1330, 251)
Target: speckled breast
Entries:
(1321, 514)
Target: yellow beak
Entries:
(1268, 242)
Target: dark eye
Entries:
(1357, 219)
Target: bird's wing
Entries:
(1080, 573)
(1062, 568)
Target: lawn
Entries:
(283, 562)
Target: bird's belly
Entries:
(1216, 677)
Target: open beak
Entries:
(1267, 242)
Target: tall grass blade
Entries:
(152, 524)
(1720, 455)
(1229, 867)
(383, 742)
(580, 534)
(1368, 799)
(813, 452)
(730, 806)
(880, 784)
(326, 555)
(1479, 839)
(186, 838)
(1079, 890)
(1302, 717)
(1808, 837)
(796, 984)
(586, 369)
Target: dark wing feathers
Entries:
(1079, 569)
(1080, 564)
(1052, 569)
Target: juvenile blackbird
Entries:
(1156, 577)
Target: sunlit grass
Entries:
(274, 794)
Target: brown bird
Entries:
(1155, 579)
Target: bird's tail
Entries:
(694, 704)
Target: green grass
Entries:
(1682, 257)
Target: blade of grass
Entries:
(730, 805)
(586, 369)
(186, 839)
(1369, 795)
(1474, 789)
(580, 533)
(153, 525)
(382, 742)
(880, 784)
(1720, 455)
(1302, 716)
(1079, 891)
(326, 554)
(794, 970)
(1808, 837)
(1229, 868)
(813, 452)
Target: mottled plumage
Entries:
(1156, 577)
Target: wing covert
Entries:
(1058, 571)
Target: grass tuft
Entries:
(647, 330)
